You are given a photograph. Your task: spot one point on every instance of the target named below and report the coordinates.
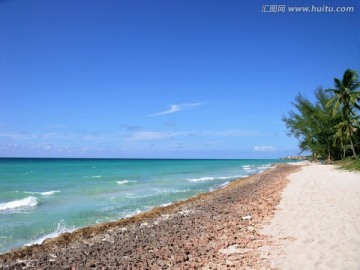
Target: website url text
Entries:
(313, 9)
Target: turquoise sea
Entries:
(41, 198)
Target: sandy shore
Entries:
(217, 230)
(317, 223)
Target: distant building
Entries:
(294, 158)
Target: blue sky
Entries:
(163, 79)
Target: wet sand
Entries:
(217, 230)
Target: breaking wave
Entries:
(46, 193)
(122, 182)
(61, 228)
(202, 179)
(224, 184)
(23, 203)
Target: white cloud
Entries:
(264, 148)
(177, 107)
(158, 135)
(10, 146)
(29, 136)
(150, 135)
(50, 136)
(233, 132)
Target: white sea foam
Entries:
(46, 193)
(174, 191)
(96, 176)
(166, 204)
(249, 169)
(122, 182)
(226, 177)
(157, 192)
(23, 203)
(264, 167)
(201, 179)
(232, 177)
(224, 184)
(61, 228)
(136, 212)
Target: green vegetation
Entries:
(328, 127)
(350, 165)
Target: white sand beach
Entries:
(317, 223)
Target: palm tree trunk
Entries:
(353, 149)
(329, 153)
(350, 132)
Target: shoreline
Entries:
(98, 227)
(180, 216)
(84, 193)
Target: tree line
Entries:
(329, 126)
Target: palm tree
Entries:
(346, 99)
(325, 123)
(342, 137)
(313, 125)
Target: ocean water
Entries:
(41, 198)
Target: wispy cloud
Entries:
(131, 127)
(150, 135)
(178, 107)
(264, 148)
(51, 136)
(232, 132)
(22, 135)
(155, 135)
(163, 135)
